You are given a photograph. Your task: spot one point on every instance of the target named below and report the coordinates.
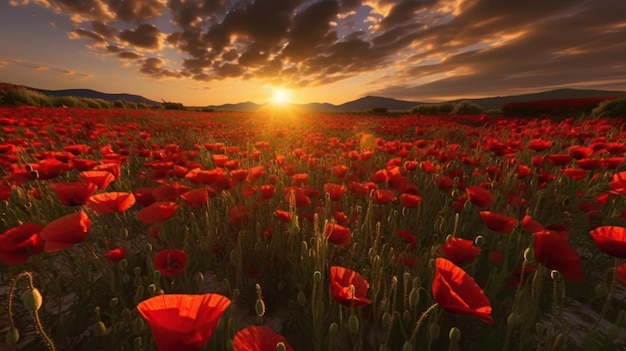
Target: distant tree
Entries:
(610, 108)
(172, 105)
(467, 108)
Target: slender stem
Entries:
(421, 320)
(609, 296)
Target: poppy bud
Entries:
(513, 320)
(259, 307)
(414, 299)
(407, 346)
(138, 343)
(137, 271)
(558, 342)
(99, 328)
(555, 275)
(386, 319)
(113, 302)
(454, 335)
(317, 277)
(152, 289)
(139, 293)
(479, 241)
(138, 325)
(601, 289)
(123, 263)
(125, 278)
(198, 279)
(333, 329)
(353, 324)
(528, 254)
(13, 336)
(147, 247)
(301, 298)
(156, 274)
(407, 318)
(281, 346)
(32, 300)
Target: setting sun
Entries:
(280, 97)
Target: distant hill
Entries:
(96, 95)
(499, 101)
(361, 104)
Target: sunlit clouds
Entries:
(420, 50)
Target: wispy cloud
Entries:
(417, 48)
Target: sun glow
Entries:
(281, 97)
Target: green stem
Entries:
(609, 297)
(421, 320)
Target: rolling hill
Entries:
(361, 104)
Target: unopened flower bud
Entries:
(32, 299)
(454, 335)
(281, 346)
(333, 329)
(13, 336)
(317, 277)
(353, 324)
(301, 298)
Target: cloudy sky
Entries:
(202, 52)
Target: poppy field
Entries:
(180, 230)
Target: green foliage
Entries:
(467, 108)
(172, 105)
(610, 108)
(433, 109)
(16, 95)
(23, 96)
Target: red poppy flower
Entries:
(611, 240)
(282, 215)
(144, 196)
(459, 250)
(410, 200)
(113, 168)
(267, 191)
(196, 198)
(249, 190)
(239, 216)
(559, 159)
(105, 203)
(181, 322)
(498, 222)
(66, 231)
(101, 179)
(384, 196)
(157, 212)
(348, 287)
(530, 224)
(479, 196)
(575, 173)
(335, 191)
(116, 254)
(169, 192)
(554, 251)
(519, 278)
(539, 144)
(74, 193)
(457, 292)
(258, 338)
(170, 262)
(618, 183)
(579, 152)
(302, 200)
(19, 243)
(337, 234)
(408, 238)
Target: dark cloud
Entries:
(145, 36)
(424, 48)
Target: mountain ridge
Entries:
(365, 103)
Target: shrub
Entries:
(18, 95)
(467, 108)
(610, 108)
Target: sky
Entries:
(211, 52)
